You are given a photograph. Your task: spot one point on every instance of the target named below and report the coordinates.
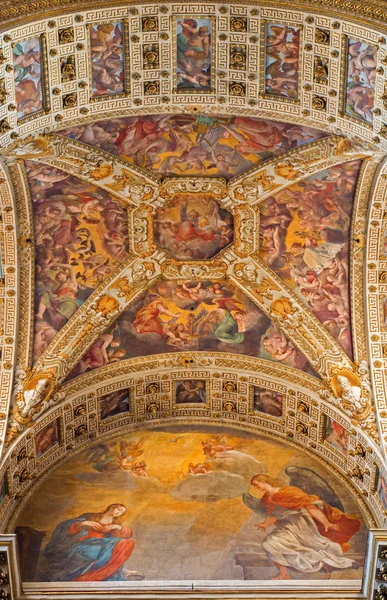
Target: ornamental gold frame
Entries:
(368, 184)
(365, 15)
(45, 83)
(278, 281)
(83, 390)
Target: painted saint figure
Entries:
(360, 84)
(222, 324)
(337, 436)
(193, 47)
(282, 60)
(193, 228)
(61, 304)
(268, 401)
(107, 62)
(148, 318)
(186, 491)
(191, 315)
(189, 228)
(382, 490)
(28, 77)
(167, 145)
(46, 438)
(91, 547)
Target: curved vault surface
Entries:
(81, 237)
(190, 316)
(191, 249)
(219, 146)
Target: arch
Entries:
(322, 105)
(375, 294)
(69, 104)
(10, 284)
(88, 462)
(78, 412)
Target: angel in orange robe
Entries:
(309, 534)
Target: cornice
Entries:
(369, 13)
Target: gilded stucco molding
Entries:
(239, 263)
(115, 371)
(26, 252)
(294, 166)
(376, 295)
(133, 185)
(10, 580)
(96, 314)
(20, 12)
(141, 193)
(113, 174)
(265, 289)
(357, 256)
(293, 317)
(9, 295)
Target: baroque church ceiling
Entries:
(193, 234)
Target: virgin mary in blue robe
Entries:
(91, 547)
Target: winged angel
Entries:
(120, 456)
(306, 524)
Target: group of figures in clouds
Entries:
(193, 315)
(304, 234)
(81, 236)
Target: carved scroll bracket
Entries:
(116, 176)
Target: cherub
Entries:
(140, 469)
(199, 468)
(182, 291)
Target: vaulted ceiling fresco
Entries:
(304, 232)
(81, 235)
(192, 300)
(194, 145)
(192, 315)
